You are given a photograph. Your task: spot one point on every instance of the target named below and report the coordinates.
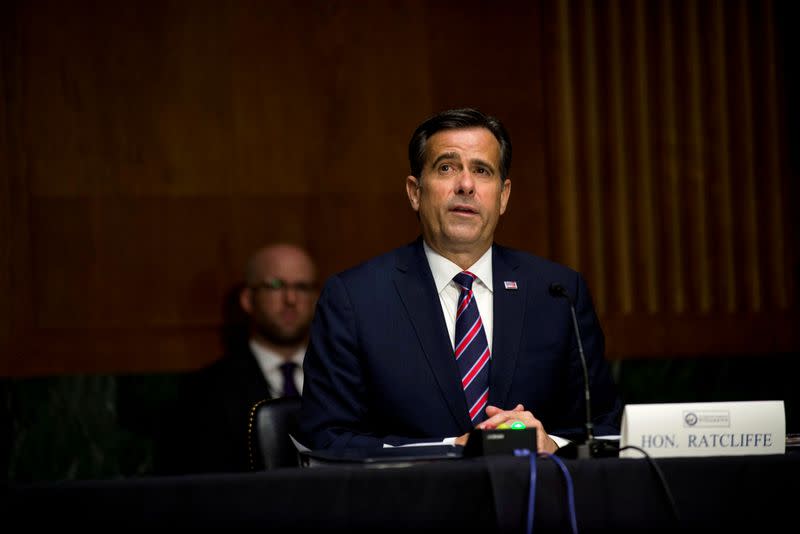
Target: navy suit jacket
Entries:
(380, 366)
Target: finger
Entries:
(498, 418)
(492, 410)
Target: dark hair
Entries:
(457, 119)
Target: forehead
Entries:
(467, 143)
(287, 263)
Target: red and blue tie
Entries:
(472, 349)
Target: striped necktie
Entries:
(471, 349)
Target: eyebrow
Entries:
(457, 156)
(445, 155)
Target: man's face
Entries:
(281, 300)
(460, 196)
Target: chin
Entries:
(463, 237)
(463, 245)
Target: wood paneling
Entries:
(148, 147)
(677, 208)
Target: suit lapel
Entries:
(417, 290)
(257, 386)
(509, 313)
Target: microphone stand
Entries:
(588, 449)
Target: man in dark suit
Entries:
(385, 363)
(264, 362)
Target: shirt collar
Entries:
(444, 270)
(271, 359)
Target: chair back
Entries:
(269, 425)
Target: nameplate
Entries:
(704, 429)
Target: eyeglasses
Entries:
(273, 285)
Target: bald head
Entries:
(280, 296)
(270, 259)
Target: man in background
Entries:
(278, 299)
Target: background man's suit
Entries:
(211, 427)
(380, 366)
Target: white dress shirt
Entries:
(270, 363)
(443, 272)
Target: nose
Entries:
(290, 294)
(465, 184)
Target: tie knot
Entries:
(288, 368)
(464, 279)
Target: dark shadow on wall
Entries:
(234, 330)
(178, 443)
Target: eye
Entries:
(274, 283)
(445, 167)
(304, 287)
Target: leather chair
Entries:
(269, 425)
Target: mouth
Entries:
(463, 209)
(289, 317)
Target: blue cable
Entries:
(570, 491)
(532, 485)
(532, 493)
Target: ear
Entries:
(246, 300)
(505, 192)
(413, 189)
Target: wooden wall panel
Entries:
(670, 171)
(148, 147)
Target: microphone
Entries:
(587, 449)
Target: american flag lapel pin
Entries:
(510, 284)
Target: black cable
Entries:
(671, 501)
(608, 448)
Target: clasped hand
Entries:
(497, 416)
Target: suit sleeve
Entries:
(334, 413)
